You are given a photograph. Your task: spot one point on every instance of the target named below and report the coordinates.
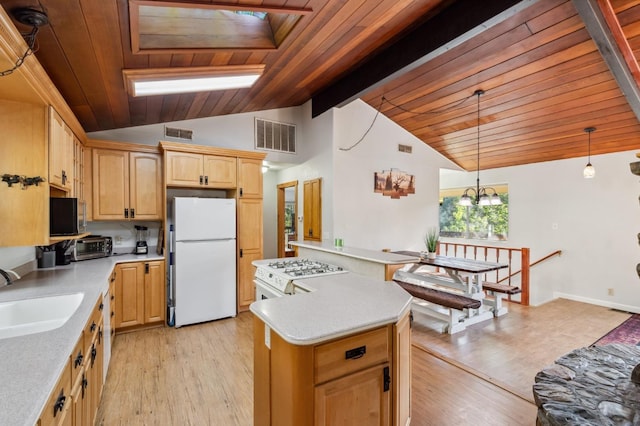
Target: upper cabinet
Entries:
(192, 170)
(126, 185)
(61, 153)
(249, 178)
(24, 211)
(313, 210)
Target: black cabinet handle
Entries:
(240, 252)
(85, 383)
(206, 180)
(355, 353)
(133, 213)
(93, 327)
(94, 353)
(146, 268)
(112, 313)
(201, 179)
(64, 177)
(101, 307)
(126, 213)
(59, 405)
(78, 361)
(241, 192)
(387, 379)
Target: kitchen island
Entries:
(31, 364)
(344, 347)
(376, 264)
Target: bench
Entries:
(455, 304)
(498, 292)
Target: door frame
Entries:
(281, 202)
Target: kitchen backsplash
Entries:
(124, 233)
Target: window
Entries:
(479, 223)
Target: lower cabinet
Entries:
(361, 379)
(75, 399)
(139, 294)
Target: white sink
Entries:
(29, 316)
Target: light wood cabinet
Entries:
(140, 294)
(313, 210)
(363, 378)
(249, 178)
(74, 401)
(249, 243)
(185, 169)
(126, 185)
(61, 153)
(23, 152)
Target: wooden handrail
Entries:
(557, 252)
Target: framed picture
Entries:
(394, 183)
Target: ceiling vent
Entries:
(178, 133)
(405, 148)
(275, 136)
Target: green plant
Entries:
(431, 240)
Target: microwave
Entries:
(67, 216)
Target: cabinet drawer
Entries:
(78, 357)
(350, 354)
(91, 328)
(55, 409)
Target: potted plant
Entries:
(431, 241)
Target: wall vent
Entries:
(275, 136)
(405, 148)
(178, 133)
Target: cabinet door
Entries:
(145, 189)
(60, 152)
(249, 178)
(110, 184)
(183, 169)
(23, 151)
(154, 292)
(129, 295)
(249, 242)
(313, 210)
(402, 371)
(219, 172)
(356, 399)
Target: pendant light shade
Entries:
(589, 172)
(481, 195)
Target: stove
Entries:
(274, 277)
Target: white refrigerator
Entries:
(204, 259)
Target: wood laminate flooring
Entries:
(202, 374)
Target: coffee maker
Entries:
(141, 239)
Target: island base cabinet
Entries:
(356, 399)
(362, 379)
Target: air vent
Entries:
(178, 133)
(275, 136)
(405, 148)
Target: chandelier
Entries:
(482, 196)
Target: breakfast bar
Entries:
(371, 263)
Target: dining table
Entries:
(461, 276)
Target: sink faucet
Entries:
(7, 275)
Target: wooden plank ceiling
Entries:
(543, 76)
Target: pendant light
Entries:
(482, 195)
(589, 172)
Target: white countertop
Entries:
(30, 365)
(375, 256)
(339, 305)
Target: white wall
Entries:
(363, 218)
(597, 222)
(12, 257)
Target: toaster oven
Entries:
(91, 247)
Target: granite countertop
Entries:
(374, 256)
(30, 365)
(338, 305)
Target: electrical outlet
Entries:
(118, 240)
(610, 292)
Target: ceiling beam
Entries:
(605, 30)
(458, 22)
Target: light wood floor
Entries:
(202, 374)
